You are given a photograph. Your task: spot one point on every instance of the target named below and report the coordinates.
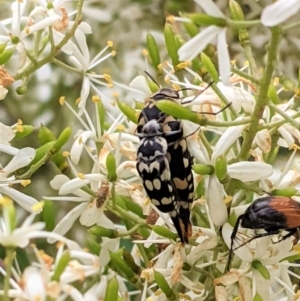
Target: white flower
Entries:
(212, 34)
(12, 236)
(279, 11)
(81, 60)
(270, 256)
(243, 171)
(22, 158)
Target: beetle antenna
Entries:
(191, 100)
(216, 113)
(151, 77)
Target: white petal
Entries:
(292, 178)
(22, 158)
(81, 41)
(67, 222)
(250, 171)
(238, 96)
(210, 8)
(85, 91)
(286, 135)
(7, 134)
(279, 12)
(104, 221)
(140, 84)
(17, 9)
(227, 139)
(111, 245)
(67, 48)
(198, 43)
(85, 28)
(78, 145)
(242, 252)
(3, 92)
(34, 284)
(263, 140)
(5, 148)
(40, 25)
(58, 181)
(215, 199)
(25, 201)
(73, 293)
(21, 55)
(90, 215)
(223, 57)
(73, 185)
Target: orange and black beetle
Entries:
(272, 214)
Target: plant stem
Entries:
(8, 266)
(69, 68)
(262, 98)
(128, 215)
(245, 75)
(286, 117)
(279, 123)
(226, 124)
(242, 24)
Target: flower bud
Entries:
(237, 14)
(101, 113)
(202, 169)
(153, 51)
(236, 11)
(49, 214)
(111, 167)
(164, 286)
(288, 191)
(27, 130)
(257, 297)
(287, 83)
(272, 94)
(42, 151)
(128, 111)
(191, 28)
(132, 206)
(103, 232)
(21, 90)
(121, 265)
(2, 47)
(45, 135)
(257, 265)
(6, 55)
(221, 168)
(9, 213)
(63, 138)
(207, 63)
(164, 232)
(61, 265)
(111, 293)
(171, 44)
(131, 263)
(206, 20)
(172, 108)
(92, 245)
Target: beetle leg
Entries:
(232, 237)
(284, 237)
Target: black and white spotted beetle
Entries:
(153, 167)
(157, 129)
